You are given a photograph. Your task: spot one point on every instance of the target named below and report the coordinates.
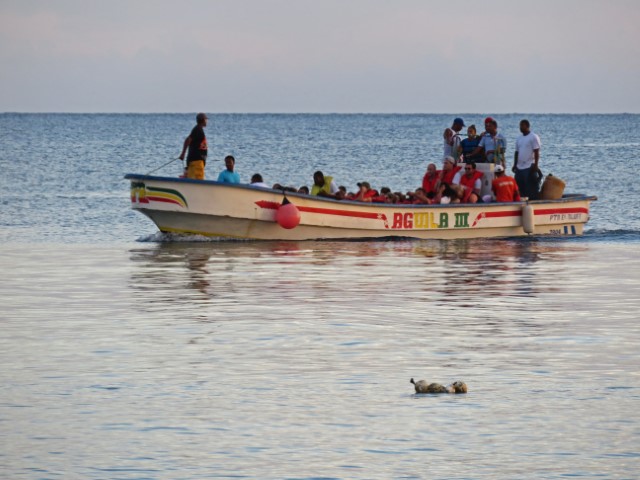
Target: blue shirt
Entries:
(468, 145)
(228, 177)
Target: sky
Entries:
(324, 56)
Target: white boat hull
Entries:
(240, 211)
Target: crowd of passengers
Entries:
(458, 181)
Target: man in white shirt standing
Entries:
(525, 162)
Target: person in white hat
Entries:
(504, 187)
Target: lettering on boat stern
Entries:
(560, 217)
(428, 220)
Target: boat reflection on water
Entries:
(381, 274)
(496, 267)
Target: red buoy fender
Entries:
(288, 215)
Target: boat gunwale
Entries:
(568, 197)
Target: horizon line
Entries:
(311, 113)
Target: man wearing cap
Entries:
(492, 143)
(366, 193)
(504, 187)
(452, 139)
(525, 161)
(448, 172)
(196, 142)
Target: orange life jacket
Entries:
(468, 183)
(448, 176)
(429, 185)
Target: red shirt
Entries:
(506, 189)
(469, 183)
(448, 176)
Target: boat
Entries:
(214, 209)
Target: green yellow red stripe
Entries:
(168, 195)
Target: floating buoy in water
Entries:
(528, 219)
(288, 215)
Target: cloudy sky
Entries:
(413, 56)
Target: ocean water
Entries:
(128, 354)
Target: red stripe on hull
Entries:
(328, 211)
(162, 199)
(503, 213)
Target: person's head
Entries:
(458, 191)
(525, 126)
(304, 189)
(448, 164)
(256, 178)
(364, 186)
(385, 190)
(458, 124)
(490, 125)
(343, 189)
(318, 178)
(470, 168)
(431, 169)
(498, 170)
(471, 131)
(229, 162)
(201, 119)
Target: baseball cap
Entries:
(458, 121)
(201, 116)
(366, 184)
(449, 159)
(489, 120)
(498, 169)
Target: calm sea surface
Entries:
(126, 354)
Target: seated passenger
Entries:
(504, 187)
(228, 175)
(256, 181)
(471, 180)
(366, 193)
(420, 197)
(383, 196)
(448, 172)
(400, 197)
(304, 190)
(446, 194)
(323, 186)
(430, 179)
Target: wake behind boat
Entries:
(204, 207)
